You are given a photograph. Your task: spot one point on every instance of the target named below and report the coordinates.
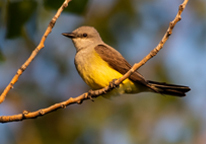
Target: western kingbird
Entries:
(98, 64)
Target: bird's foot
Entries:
(90, 94)
(112, 84)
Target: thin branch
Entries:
(34, 53)
(96, 93)
(172, 24)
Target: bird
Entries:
(99, 64)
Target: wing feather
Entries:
(118, 62)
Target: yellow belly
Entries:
(97, 74)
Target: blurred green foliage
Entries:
(18, 13)
(75, 6)
(2, 58)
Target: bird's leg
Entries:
(112, 84)
(93, 93)
(90, 94)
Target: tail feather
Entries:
(170, 89)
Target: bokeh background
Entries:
(133, 27)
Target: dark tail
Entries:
(169, 89)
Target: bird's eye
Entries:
(84, 35)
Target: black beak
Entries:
(70, 35)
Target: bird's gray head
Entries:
(84, 37)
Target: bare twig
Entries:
(159, 46)
(96, 93)
(34, 53)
